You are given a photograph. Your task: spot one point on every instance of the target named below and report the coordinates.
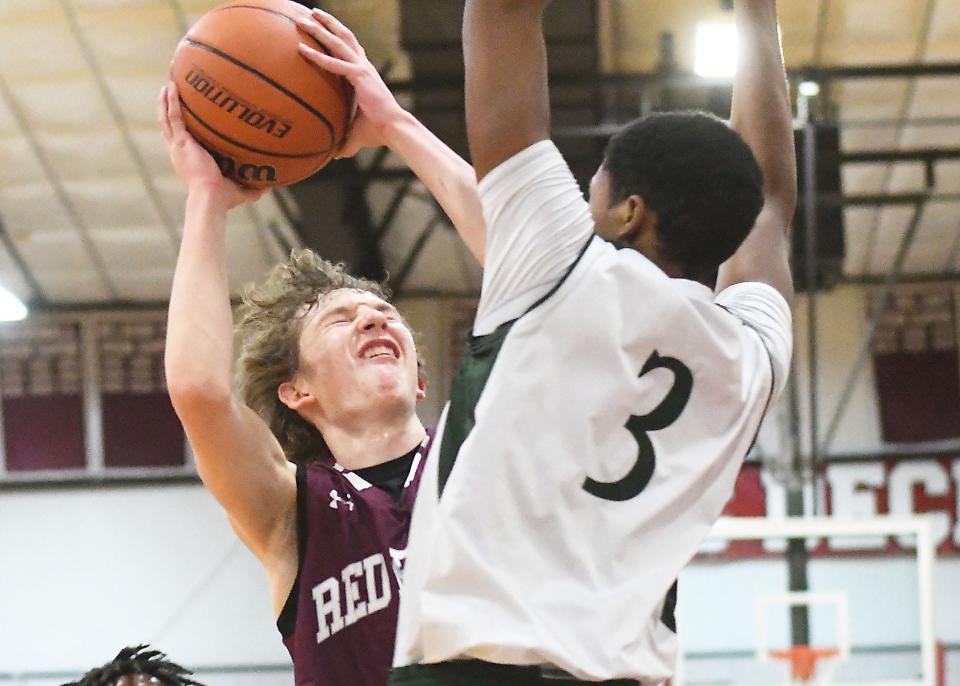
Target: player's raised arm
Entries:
(382, 121)
(761, 114)
(507, 101)
(238, 458)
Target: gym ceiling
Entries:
(90, 210)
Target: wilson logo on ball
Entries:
(262, 173)
(231, 103)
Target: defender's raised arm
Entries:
(761, 114)
(507, 100)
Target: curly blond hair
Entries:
(269, 322)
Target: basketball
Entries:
(268, 116)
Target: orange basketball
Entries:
(267, 115)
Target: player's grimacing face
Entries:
(356, 352)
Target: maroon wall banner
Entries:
(854, 489)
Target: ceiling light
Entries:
(12, 308)
(809, 89)
(715, 54)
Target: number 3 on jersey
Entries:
(660, 417)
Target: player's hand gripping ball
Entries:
(267, 115)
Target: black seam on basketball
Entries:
(279, 14)
(268, 153)
(290, 94)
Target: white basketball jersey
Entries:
(593, 436)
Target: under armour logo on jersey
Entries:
(335, 500)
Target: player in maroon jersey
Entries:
(318, 459)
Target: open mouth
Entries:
(380, 348)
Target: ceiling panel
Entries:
(906, 177)
(930, 253)
(859, 227)
(863, 178)
(58, 105)
(84, 75)
(87, 110)
(891, 228)
(872, 31)
(865, 138)
(935, 96)
(948, 176)
(62, 265)
(944, 42)
(87, 155)
(870, 98)
(927, 136)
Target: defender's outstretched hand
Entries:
(376, 106)
(192, 163)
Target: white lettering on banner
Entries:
(776, 499)
(855, 490)
(853, 493)
(933, 478)
(339, 599)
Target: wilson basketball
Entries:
(267, 115)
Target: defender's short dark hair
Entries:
(138, 660)
(698, 176)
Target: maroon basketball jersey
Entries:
(340, 620)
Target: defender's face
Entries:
(357, 355)
(604, 217)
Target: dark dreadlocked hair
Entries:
(138, 660)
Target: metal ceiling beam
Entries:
(881, 122)
(39, 297)
(640, 79)
(922, 42)
(410, 260)
(59, 190)
(912, 278)
(399, 195)
(180, 16)
(883, 199)
(169, 222)
(876, 71)
(876, 311)
(950, 262)
(927, 155)
(823, 10)
(273, 248)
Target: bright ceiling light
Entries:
(12, 308)
(715, 53)
(809, 89)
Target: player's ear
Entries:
(634, 217)
(421, 388)
(293, 397)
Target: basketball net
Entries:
(803, 662)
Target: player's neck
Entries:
(374, 443)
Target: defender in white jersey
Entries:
(607, 396)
